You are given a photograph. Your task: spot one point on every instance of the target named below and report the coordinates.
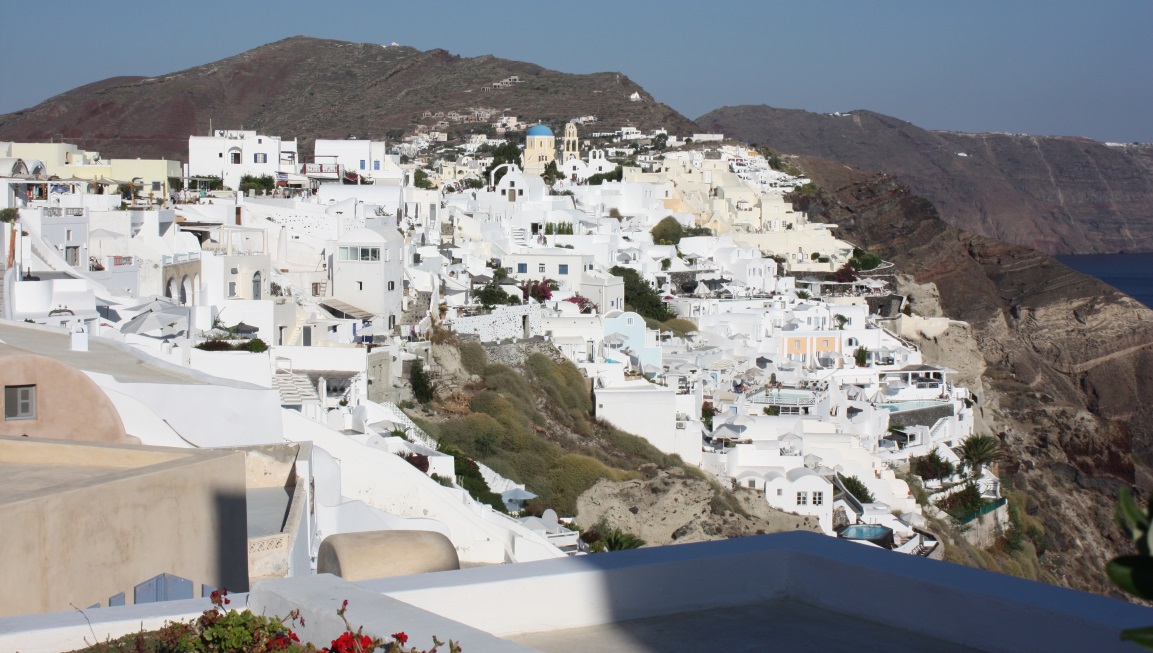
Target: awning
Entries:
(342, 309)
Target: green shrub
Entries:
(256, 346)
(572, 475)
(963, 502)
(931, 467)
(668, 232)
(215, 345)
(473, 357)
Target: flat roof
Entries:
(122, 362)
(771, 625)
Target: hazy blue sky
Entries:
(1039, 67)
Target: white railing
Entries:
(411, 429)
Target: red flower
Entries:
(400, 637)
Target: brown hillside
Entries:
(1055, 194)
(1067, 359)
(308, 88)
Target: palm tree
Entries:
(981, 450)
(618, 540)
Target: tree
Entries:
(422, 387)
(981, 450)
(931, 467)
(420, 180)
(502, 154)
(618, 540)
(9, 215)
(641, 297)
(845, 274)
(668, 232)
(858, 489)
(252, 182)
(551, 173)
(616, 175)
(660, 141)
(492, 295)
(841, 321)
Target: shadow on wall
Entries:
(231, 521)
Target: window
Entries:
(360, 285)
(376, 165)
(750, 483)
(562, 268)
(358, 254)
(540, 267)
(156, 187)
(522, 268)
(231, 288)
(392, 285)
(520, 192)
(802, 498)
(818, 498)
(362, 164)
(19, 402)
(234, 158)
(780, 492)
(853, 342)
(260, 157)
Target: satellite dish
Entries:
(549, 517)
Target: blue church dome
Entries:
(539, 130)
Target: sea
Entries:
(1132, 274)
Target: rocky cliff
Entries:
(315, 88)
(1068, 361)
(1060, 195)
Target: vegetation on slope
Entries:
(538, 428)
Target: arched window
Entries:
(170, 288)
(185, 290)
(256, 286)
(852, 342)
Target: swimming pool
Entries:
(784, 397)
(911, 405)
(880, 535)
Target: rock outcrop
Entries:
(1056, 194)
(671, 507)
(1068, 378)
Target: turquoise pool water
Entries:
(865, 532)
(782, 396)
(910, 405)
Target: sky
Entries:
(1052, 67)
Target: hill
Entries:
(1059, 363)
(1054, 194)
(313, 88)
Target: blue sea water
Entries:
(1132, 274)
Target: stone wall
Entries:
(504, 323)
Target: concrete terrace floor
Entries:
(771, 626)
(19, 481)
(267, 510)
(101, 357)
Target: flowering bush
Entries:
(218, 630)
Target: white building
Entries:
(230, 154)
